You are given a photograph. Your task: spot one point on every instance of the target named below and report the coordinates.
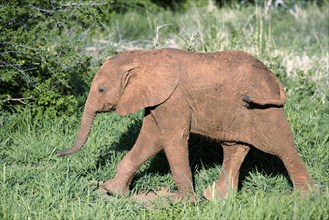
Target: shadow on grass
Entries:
(204, 153)
(124, 143)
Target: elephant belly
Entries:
(225, 122)
(266, 129)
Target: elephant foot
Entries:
(113, 188)
(212, 193)
(307, 189)
(305, 184)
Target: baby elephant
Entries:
(228, 96)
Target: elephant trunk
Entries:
(86, 122)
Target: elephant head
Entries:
(126, 83)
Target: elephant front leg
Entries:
(145, 147)
(177, 154)
(229, 178)
(174, 131)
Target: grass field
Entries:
(35, 184)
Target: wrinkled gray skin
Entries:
(228, 96)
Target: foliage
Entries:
(41, 57)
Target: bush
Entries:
(42, 57)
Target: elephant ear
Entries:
(149, 81)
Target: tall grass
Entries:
(35, 184)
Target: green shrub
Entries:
(42, 57)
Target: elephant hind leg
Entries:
(233, 157)
(297, 171)
(276, 138)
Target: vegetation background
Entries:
(49, 52)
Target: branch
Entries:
(17, 68)
(85, 4)
(67, 5)
(45, 10)
(19, 45)
(12, 51)
(21, 100)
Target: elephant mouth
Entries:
(108, 107)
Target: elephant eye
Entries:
(101, 89)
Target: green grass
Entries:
(35, 184)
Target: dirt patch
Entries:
(164, 195)
(151, 196)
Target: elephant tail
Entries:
(263, 102)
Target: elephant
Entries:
(228, 96)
